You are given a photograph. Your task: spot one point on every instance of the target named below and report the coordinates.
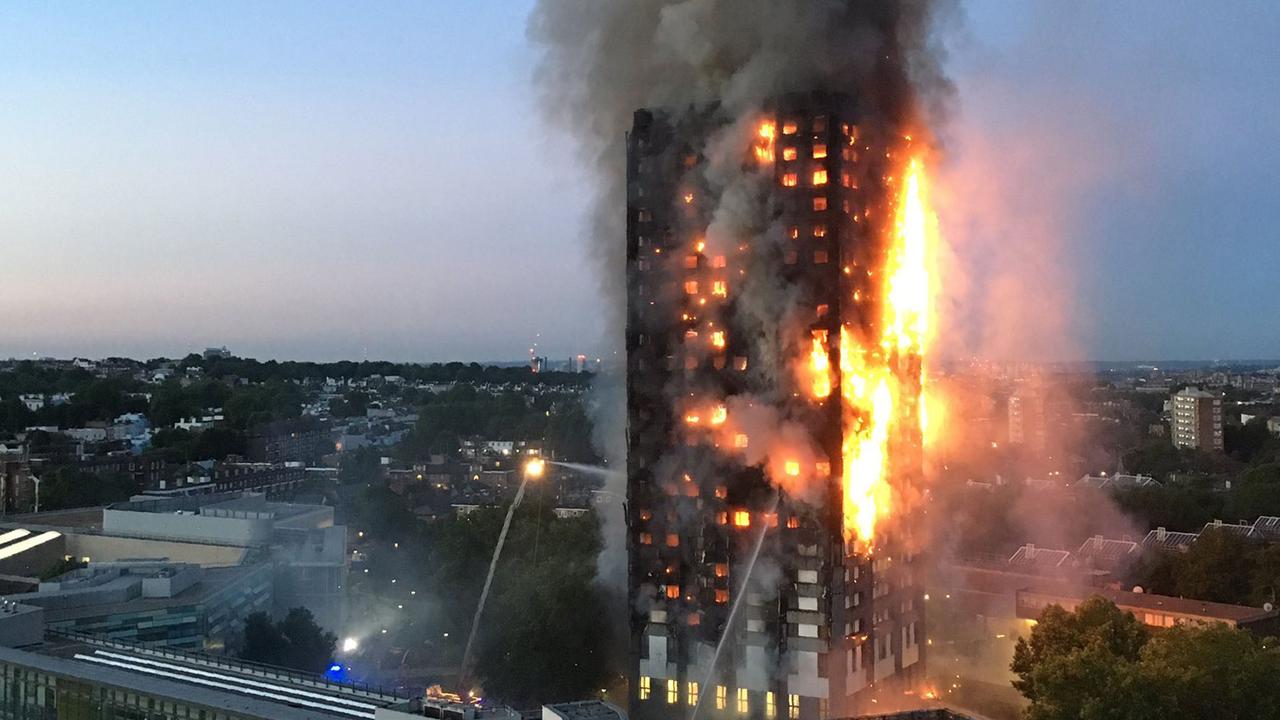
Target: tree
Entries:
(1266, 576)
(308, 647)
(546, 639)
(386, 514)
(263, 641)
(1096, 622)
(14, 415)
(1216, 567)
(353, 404)
(69, 487)
(1099, 663)
(360, 467)
(296, 642)
(255, 404)
(1212, 671)
(1249, 442)
(62, 567)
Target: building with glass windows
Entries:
(748, 601)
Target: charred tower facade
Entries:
(752, 595)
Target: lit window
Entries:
(819, 204)
(644, 687)
(789, 127)
(770, 705)
(793, 232)
(740, 364)
(722, 596)
(846, 180)
(793, 707)
(741, 518)
(646, 538)
(823, 309)
(673, 592)
(822, 468)
(789, 153)
(722, 697)
(793, 522)
(673, 540)
(744, 704)
(691, 287)
(819, 152)
(673, 692)
(790, 180)
(722, 569)
(691, 261)
(819, 177)
(722, 492)
(820, 257)
(717, 261)
(719, 288)
(693, 693)
(819, 230)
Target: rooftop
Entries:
(1243, 529)
(119, 589)
(1039, 557)
(1168, 540)
(583, 710)
(243, 689)
(1192, 391)
(1236, 614)
(1099, 548)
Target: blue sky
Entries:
(335, 180)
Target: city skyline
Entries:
(311, 182)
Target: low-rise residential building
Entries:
(1151, 610)
(1163, 539)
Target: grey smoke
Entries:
(602, 60)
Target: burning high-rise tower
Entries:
(777, 310)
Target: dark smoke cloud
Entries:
(600, 61)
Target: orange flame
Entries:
(880, 383)
(820, 365)
(765, 137)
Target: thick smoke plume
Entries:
(601, 61)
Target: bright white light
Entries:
(24, 545)
(350, 645)
(226, 686)
(12, 535)
(231, 679)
